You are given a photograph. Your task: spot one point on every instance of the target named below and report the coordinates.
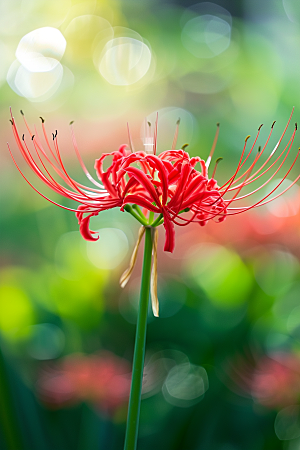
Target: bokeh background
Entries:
(223, 360)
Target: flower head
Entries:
(172, 188)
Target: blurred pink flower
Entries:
(273, 382)
(102, 379)
(166, 184)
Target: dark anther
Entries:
(32, 137)
(218, 124)
(55, 133)
(219, 159)
(273, 124)
(260, 127)
(11, 121)
(23, 137)
(259, 149)
(296, 126)
(178, 121)
(21, 112)
(149, 123)
(53, 136)
(72, 121)
(42, 119)
(184, 146)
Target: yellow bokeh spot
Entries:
(222, 275)
(16, 311)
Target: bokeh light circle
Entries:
(41, 49)
(287, 423)
(35, 86)
(292, 10)
(110, 249)
(206, 30)
(124, 61)
(288, 204)
(46, 341)
(185, 385)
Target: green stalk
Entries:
(137, 216)
(139, 349)
(157, 221)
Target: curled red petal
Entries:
(155, 162)
(170, 233)
(141, 201)
(142, 178)
(84, 228)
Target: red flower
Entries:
(168, 184)
(272, 382)
(102, 379)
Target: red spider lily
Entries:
(166, 185)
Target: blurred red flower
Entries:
(272, 382)
(102, 379)
(167, 184)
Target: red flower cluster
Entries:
(167, 184)
(102, 379)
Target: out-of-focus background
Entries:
(223, 360)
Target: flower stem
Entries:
(157, 221)
(137, 216)
(139, 349)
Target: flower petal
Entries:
(170, 234)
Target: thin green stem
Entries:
(139, 349)
(157, 221)
(131, 211)
(137, 209)
(151, 217)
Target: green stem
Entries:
(137, 209)
(129, 209)
(151, 217)
(139, 349)
(8, 421)
(157, 221)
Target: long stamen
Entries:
(216, 165)
(38, 147)
(148, 139)
(208, 161)
(129, 139)
(254, 177)
(88, 175)
(262, 202)
(273, 151)
(42, 195)
(232, 179)
(218, 213)
(273, 175)
(176, 134)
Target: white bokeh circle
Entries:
(41, 49)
